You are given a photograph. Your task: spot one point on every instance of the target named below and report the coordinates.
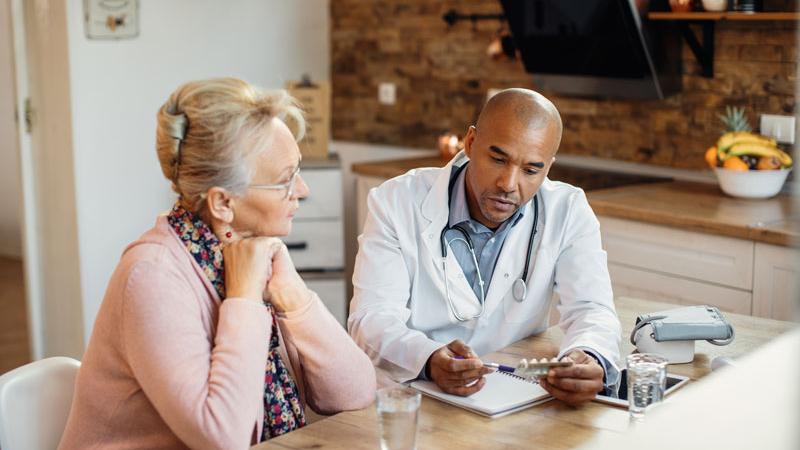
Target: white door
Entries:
(49, 228)
(14, 336)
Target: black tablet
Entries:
(673, 382)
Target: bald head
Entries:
(524, 108)
(510, 151)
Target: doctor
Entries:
(464, 260)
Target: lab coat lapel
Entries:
(461, 294)
(435, 209)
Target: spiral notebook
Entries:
(503, 394)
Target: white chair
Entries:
(34, 403)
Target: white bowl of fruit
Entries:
(748, 165)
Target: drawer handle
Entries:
(297, 245)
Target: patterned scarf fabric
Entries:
(283, 410)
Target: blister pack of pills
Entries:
(538, 368)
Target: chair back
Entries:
(35, 400)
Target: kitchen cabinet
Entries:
(690, 267)
(775, 282)
(316, 243)
(330, 286)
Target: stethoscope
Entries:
(519, 290)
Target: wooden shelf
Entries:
(717, 16)
(704, 50)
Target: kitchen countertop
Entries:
(396, 167)
(308, 162)
(689, 206)
(704, 208)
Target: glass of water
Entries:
(647, 380)
(397, 417)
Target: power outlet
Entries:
(387, 93)
(780, 128)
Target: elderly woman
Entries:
(207, 337)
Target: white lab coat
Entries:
(399, 313)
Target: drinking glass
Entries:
(647, 380)
(397, 417)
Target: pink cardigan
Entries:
(170, 366)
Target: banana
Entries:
(786, 160)
(747, 148)
(727, 140)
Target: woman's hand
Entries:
(248, 266)
(285, 289)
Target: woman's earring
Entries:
(229, 234)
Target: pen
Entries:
(500, 367)
(495, 366)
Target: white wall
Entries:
(10, 193)
(117, 87)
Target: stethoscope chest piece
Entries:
(519, 290)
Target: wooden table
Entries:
(552, 425)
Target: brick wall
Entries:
(442, 75)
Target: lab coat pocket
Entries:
(535, 308)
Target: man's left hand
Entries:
(576, 384)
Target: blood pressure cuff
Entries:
(688, 323)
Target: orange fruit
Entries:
(711, 157)
(768, 163)
(736, 163)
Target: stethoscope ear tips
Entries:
(519, 290)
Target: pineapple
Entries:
(735, 120)
(737, 129)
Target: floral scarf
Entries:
(283, 410)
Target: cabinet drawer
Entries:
(325, 197)
(630, 282)
(699, 256)
(316, 244)
(332, 293)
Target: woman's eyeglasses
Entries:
(288, 186)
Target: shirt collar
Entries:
(459, 209)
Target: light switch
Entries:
(780, 128)
(387, 93)
(111, 19)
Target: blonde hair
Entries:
(203, 129)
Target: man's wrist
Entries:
(427, 369)
(599, 360)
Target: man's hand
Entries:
(576, 384)
(457, 370)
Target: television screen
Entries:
(597, 38)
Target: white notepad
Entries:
(503, 394)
